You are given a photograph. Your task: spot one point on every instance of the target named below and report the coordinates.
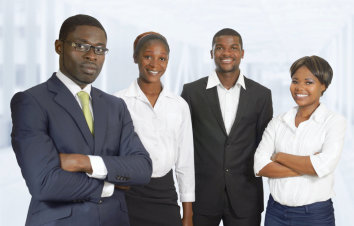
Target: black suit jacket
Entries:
(225, 162)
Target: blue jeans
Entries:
(316, 214)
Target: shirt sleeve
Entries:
(108, 189)
(99, 171)
(184, 167)
(266, 148)
(326, 161)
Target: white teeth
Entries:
(301, 95)
(153, 72)
(227, 61)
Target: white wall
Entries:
(275, 34)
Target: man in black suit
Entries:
(229, 114)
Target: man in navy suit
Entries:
(77, 155)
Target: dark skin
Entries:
(306, 90)
(227, 53)
(151, 91)
(152, 61)
(82, 68)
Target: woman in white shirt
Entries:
(300, 150)
(162, 121)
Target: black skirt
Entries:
(154, 204)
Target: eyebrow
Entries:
(235, 44)
(153, 51)
(295, 78)
(96, 44)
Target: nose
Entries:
(153, 62)
(91, 55)
(298, 87)
(226, 52)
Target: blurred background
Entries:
(275, 33)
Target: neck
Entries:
(228, 79)
(306, 112)
(150, 88)
(82, 85)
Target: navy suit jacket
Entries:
(47, 120)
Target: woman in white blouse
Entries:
(300, 149)
(162, 121)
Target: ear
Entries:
(58, 47)
(135, 57)
(211, 54)
(242, 53)
(323, 89)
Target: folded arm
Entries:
(264, 165)
(132, 165)
(276, 170)
(39, 159)
(300, 164)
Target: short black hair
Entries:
(70, 24)
(142, 39)
(318, 66)
(227, 31)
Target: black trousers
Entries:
(154, 204)
(227, 216)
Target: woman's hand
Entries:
(187, 221)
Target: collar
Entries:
(213, 80)
(135, 91)
(71, 85)
(319, 115)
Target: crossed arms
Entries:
(328, 137)
(51, 176)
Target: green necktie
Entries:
(85, 104)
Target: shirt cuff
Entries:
(316, 163)
(259, 165)
(187, 197)
(108, 189)
(99, 170)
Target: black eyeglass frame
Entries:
(84, 47)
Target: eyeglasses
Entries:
(83, 47)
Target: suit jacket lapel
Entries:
(242, 105)
(66, 100)
(214, 104)
(100, 119)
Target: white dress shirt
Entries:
(99, 170)
(166, 132)
(228, 98)
(323, 132)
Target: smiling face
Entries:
(81, 67)
(152, 60)
(227, 53)
(306, 89)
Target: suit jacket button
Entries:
(100, 202)
(227, 170)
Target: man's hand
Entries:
(75, 163)
(121, 187)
